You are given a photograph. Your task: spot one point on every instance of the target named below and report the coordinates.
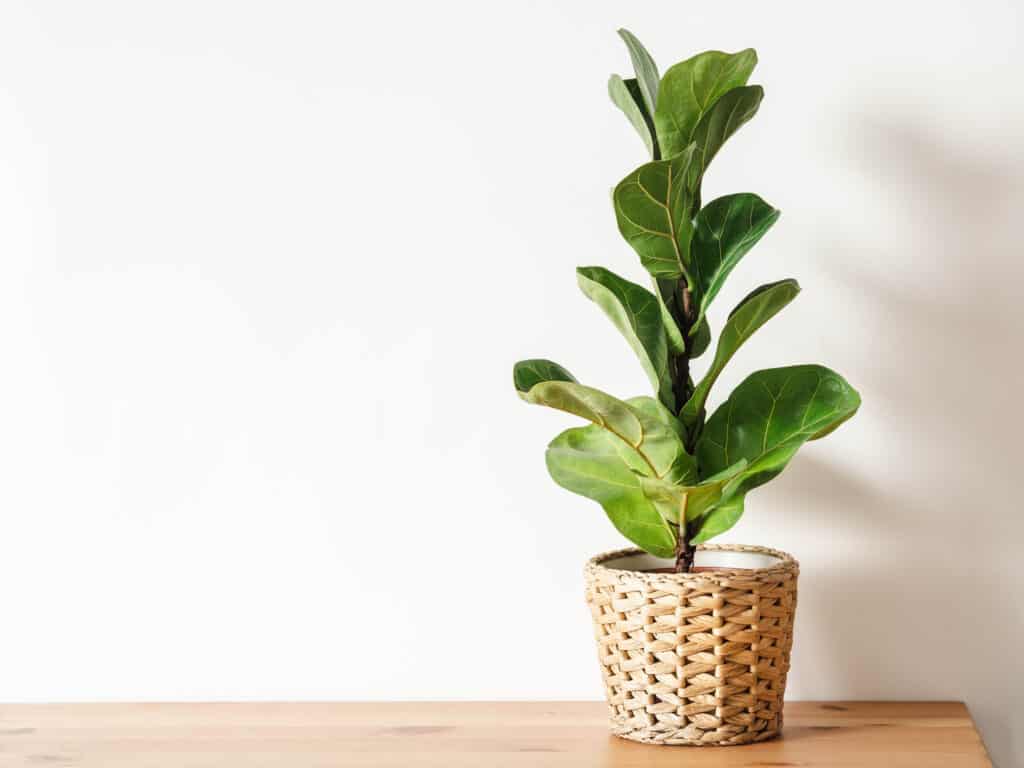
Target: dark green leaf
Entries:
(526, 373)
(750, 314)
(665, 292)
(690, 88)
(725, 229)
(700, 338)
(720, 519)
(625, 94)
(720, 122)
(635, 312)
(644, 67)
(585, 460)
(765, 421)
(769, 416)
(654, 208)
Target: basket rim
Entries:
(595, 566)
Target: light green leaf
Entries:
(635, 312)
(656, 411)
(690, 88)
(654, 209)
(720, 122)
(680, 499)
(725, 229)
(585, 460)
(684, 468)
(769, 416)
(590, 404)
(655, 446)
(625, 94)
(644, 67)
(750, 314)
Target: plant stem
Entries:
(684, 552)
(680, 371)
(683, 390)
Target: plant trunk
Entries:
(684, 551)
(681, 386)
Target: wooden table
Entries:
(462, 735)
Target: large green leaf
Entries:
(654, 208)
(750, 314)
(657, 445)
(625, 94)
(644, 67)
(720, 122)
(769, 416)
(724, 230)
(690, 88)
(636, 313)
(764, 422)
(586, 460)
(593, 462)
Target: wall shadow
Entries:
(937, 612)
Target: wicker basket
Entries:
(694, 658)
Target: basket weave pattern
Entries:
(694, 658)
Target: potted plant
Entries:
(693, 639)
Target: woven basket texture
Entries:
(694, 658)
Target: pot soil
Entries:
(694, 658)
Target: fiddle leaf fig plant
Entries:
(668, 475)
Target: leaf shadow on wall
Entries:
(932, 608)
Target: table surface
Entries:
(462, 735)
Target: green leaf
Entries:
(526, 373)
(635, 312)
(765, 421)
(720, 122)
(719, 520)
(585, 460)
(653, 207)
(769, 416)
(644, 67)
(654, 445)
(684, 498)
(724, 230)
(625, 94)
(700, 338)
(684, 469)
(665, 293)
(700, 335)
(750, 314)
(690, 88)
(590, 404)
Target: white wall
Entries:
(265, 269)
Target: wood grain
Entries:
(463, 735)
